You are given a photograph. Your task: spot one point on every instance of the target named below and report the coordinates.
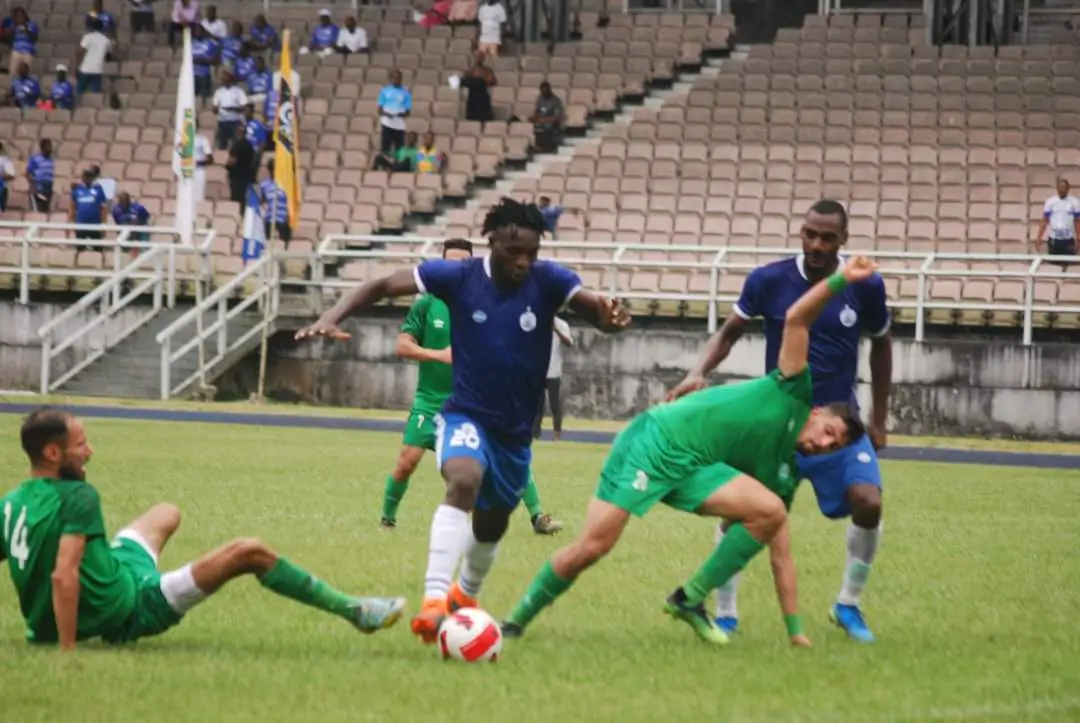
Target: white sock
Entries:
(479, 557)
(180, 591)
(726, 594)
(862, 546)
(449, 531)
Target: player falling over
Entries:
(723, 452)
(425, 338)
(73, 585)
(502, 309)
(848, 482)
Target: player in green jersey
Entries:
(74, 585)
(723, 452)
(425, 338)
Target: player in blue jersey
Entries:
(847, 482)
(502, 310)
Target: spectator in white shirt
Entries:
(1061, 215)
(352, 39)
(214, 25)
(7, 176)
(491, 15)
(204, 156)
(229, 101)
(561, 337)
(93, 50)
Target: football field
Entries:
(975, 599)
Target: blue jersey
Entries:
(134, 215)
(265, 35)
(324, 36)
(259, 83)
(243, 68)
(834, 337)
(41, 169)
(62, 94)
(107, 19)
(256, 133)
(25, 38)
(395, 99)
(551, 216)
(501, 341)
(88, 201)
(230, 48)
(203, 53)
(276, 210)
(27, 91)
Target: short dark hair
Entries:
(855, 427)
(462, 244)
(827, 207)
(510, 212)
(41, 428)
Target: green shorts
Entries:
(420, 429)
(644, 468)
(152, 614)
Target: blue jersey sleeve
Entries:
(440, 278)
(560, 284)
(875, 316)
(750, 304)
(143, 215)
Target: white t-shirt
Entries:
(217, 28)
(1062, 214)
(203, 150)
(230, 98)
(491, 18)
(555, 364)
(97, 47)
(354, 42)
(6, 167)
(108, 187)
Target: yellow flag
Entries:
(286, 147)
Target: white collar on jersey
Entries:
(800, 264)
(487, 265)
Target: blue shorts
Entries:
(506, 467)
(832, 474)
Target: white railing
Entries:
(264, 273)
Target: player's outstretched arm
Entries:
(65, 588)
(607, 315)
(409, 348)
(399, 283)
(795, 343)
(715, 352)
(786, 579)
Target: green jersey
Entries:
(35, 516)
(428, 321)
(751, 426)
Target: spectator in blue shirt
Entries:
(395, 104)
(231, 45)
(21, 33)
(25, 90)
(88, 207)
(107, 19)
(205, 55)
(41, 171)
(244, 65)
(259, 82)
(276, 206)
(255, 130)
(551, 213)
(62, 92)
(130, 213)
(324, 36)
(263, 36)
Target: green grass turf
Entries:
(974, 600)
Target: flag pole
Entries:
(269, 275)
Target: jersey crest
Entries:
(863, 457)
(527, 320)
(848, 316)
(479, 316)
(438, 324)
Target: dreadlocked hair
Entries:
(509, 212)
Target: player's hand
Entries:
(858, 269)
(692, 383)
(801, 641)
(323, 329)
(613, 316)
(878, 435)
(444, 356)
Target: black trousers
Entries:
(554, 399)
(392, 139)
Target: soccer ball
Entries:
(471, 635)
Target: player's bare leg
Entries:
(190, 585)
(154, 528)
(449, 533)
(398, 483)
(604, 524)
(863, 535)
(488, 528)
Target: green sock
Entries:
(543, 590)
(392, 494)
(730, 556)
(296, 583)
(531, 498)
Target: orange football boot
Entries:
(426, 622)
(456, 599)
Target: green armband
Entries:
(793, 624)
(837, 283)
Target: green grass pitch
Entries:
(974, 599)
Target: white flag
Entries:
(184, 146)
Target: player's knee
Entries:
(488, 527)
(169, 514)
(771, 516)
(595, 547)
(250, 554)
(866, 508)
(462, 487)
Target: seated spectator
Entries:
(88, 207)
(429, 159)
(214, 26)
(21, 33)
(93, 50)
(41, 172)
(61, 93)
(479, 80)
(547, 119)
(7, 176)
(205, 56)
(395, 104)
(437, 14)
(231, 44)
(462, 11)
(185, 14)
(142, 16)
(491, 15)
(106, 19)
(229, 101)
(352, 38)
(25, 90)
(324, 36)
(108, 185)
(401, 159)
(276, 206)
(263, 37)
(259, 82)
(130, 213)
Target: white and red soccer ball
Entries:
(471, 635)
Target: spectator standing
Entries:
(7, 176)
(214, 26)
(551, 213)
(142, 16)
(324, 36)
(25, 90)
(401, 159)
(352, 38)
(263, 36)
(22, 33)
(205, 55)
(240, 167)
(204, 156)
(93, 49)
(41, 172)
(256, 132)
(395, 104)
(185, 14)
(108, 185)
(130, 213)
(478, 81)
(1061, 215)
(553, 385)
(547, 119)
(429, 159)
(276, 206)
(62, 93)
(231, 44)
(260, 82)
(491, 15)
(88, 207)
(244, 65)
(106, 19)
(229, 102)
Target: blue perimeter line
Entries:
(1039, 460)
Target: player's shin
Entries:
(733, 553)
(862, 546)
(393, 492)
(545, 588)
(449, 532)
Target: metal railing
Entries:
(265, 273)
